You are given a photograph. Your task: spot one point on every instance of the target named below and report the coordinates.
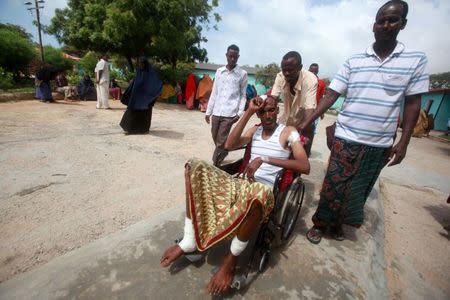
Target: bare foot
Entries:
(170, 255)
(221, 281)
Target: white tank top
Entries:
(271, 147)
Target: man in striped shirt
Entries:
(377, 82)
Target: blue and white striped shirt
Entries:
(375, 90)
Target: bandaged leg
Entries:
(187, 244)
(237, 246)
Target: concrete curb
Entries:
(125, 265)
(5, 97)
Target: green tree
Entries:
(266, 76)
(16, 49)
(170, 30)
(19, 30)
(88, 63)
(440, 81)
(54, 57)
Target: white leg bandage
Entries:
(237, 246)
(187, 244)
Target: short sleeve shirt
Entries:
(375, 91)
(304, 98)
(103, 66)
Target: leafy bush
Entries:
(53, 56)
(172, 76)
(74, 78)
(16, 51)
(127, 76)
(88, 63)
(266, 76)
(6, 79)
(116, 74)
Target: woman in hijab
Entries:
(86, 89)
(43, 76)
(143, 91)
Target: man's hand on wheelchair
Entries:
(251, 168)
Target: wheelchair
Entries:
(289, 191)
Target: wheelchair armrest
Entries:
(283, 179)
(232, 168)
(276, 184)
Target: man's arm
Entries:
(212, 98)
(311, 85)
(243, 99)
(329, 99)
(308, 129)
(277, 86)
(99, 75)
(410, 116)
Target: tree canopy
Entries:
(54, 57)
(170, 30)
(16, 49)
(440, 81)
(266, 76)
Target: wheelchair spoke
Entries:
(293, 210)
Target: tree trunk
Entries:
(130, 63)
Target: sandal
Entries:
(338, 233)
(314, 235)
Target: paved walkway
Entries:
(125, 265)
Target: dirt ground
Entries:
(70, 176)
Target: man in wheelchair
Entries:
(220, 206)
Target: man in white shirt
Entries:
(227, 102)
(102, 80)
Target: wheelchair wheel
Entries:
(292, 204)
(265, 257)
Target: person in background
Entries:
(102, 81)
(250, 94)
(62, 85)
(43, 77)
(448, 127)
(190, 91)
(314, 68)
(178, 93)
(227, 102)
(114, 89)
(204, 92)
(86, 89)
(141, 95)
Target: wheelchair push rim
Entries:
(290, 210)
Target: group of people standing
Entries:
(85, 90)
(376, 81)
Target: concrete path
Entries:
(125, 264)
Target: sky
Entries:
(322, 31)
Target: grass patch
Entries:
(445, 137)
(28, 89)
